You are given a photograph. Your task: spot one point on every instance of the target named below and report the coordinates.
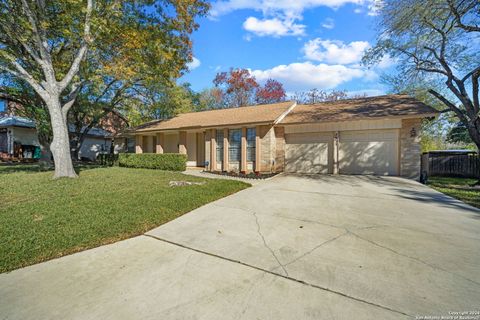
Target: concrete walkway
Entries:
(319, 247)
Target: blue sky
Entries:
(304, 44)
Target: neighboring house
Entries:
(375, 135)
(19, 140)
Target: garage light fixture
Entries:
(413, 133)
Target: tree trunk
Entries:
(60, 146)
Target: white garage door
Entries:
(369, 152)
(309, 152)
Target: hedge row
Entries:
(160, 161)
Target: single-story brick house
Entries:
(374, 135)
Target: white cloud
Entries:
(329, 23)
(270, 6)
(374, 7)
(307, 75)
(358, 10)
(386, 62)
(283, 14)
(275, 27)
(194, 64)
(335, 51)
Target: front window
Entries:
(235, 143)
(251, 134)
(219, 145)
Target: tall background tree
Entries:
(59, 48)
(271, 92)
(436, 45)
(239, 88)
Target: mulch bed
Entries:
(251, 175)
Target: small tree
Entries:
(433, 42)
(271, 92)
(316, 96)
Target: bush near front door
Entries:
(160, 161)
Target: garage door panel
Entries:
(308, 153)
(369, 152)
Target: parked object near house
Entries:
(19, 139)
(375, 135)
(451, 163)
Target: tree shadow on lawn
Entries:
(9, 168)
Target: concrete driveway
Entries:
(293, 247)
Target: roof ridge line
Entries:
(284, 114)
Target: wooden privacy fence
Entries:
(451, 163)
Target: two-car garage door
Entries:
(357, 152)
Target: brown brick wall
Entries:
(410, 151)
(279, 149)
(267, 148)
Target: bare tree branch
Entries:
(72, 96)
(23, 74)
(46, 64)
(458, 18)
(81, 52)
(449, 105)
(475, 89)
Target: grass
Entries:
(41, 218)
(459, 188)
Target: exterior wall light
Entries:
(413, 133)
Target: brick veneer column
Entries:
(160, 142)
(138, 144)
(182, 143)
(213, 150)
(258, 142)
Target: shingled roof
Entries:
(356, 109)
(264, 114)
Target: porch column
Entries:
(258, 157)
(138, 144)
(243, 153)
(160, 142)
(213, 150)
(225, 150)
(182, 143)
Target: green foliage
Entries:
(459, 188)
(459, 134)
(160, 161)
(133, 47)
(41, 218)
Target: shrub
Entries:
(109, 160)
(160, 161)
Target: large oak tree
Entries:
(60, 48)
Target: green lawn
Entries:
(41, 218)
(459, 188)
